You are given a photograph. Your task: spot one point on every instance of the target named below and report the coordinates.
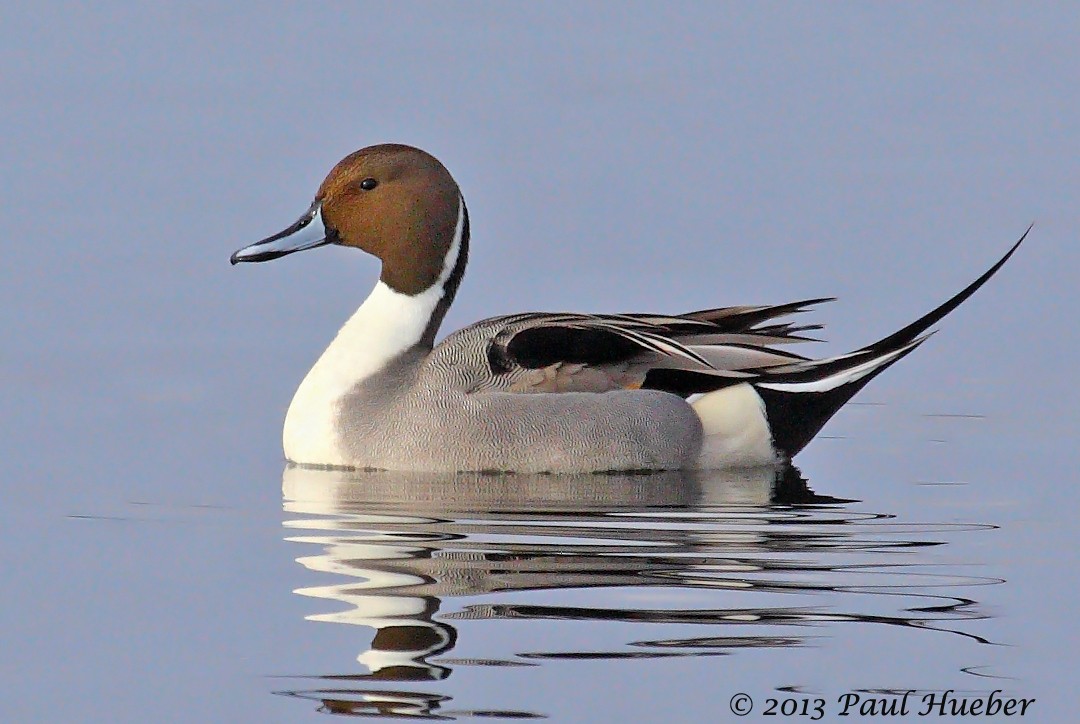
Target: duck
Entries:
(542, 392)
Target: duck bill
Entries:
(307, 233)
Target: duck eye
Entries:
(368, 184)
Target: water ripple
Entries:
(723, 562)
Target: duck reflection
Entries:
(404, 544)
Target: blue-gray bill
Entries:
(307, 233)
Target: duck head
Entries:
(395, 202)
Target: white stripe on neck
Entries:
(387, 324)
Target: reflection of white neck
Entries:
(387, 324)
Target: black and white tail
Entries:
(756, 416)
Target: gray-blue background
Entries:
(615, 157)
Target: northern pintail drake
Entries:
(541, 392)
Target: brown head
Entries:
(395, 202)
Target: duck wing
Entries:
(564, 352)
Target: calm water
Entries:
(635, 597)
(579, 598)
(157, 564)
(573, 593)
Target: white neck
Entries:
(386, 325)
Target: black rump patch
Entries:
(686, 382)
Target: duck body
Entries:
(439, 410)
(540, 392)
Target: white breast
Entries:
(387, 324)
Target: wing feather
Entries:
(556, 352)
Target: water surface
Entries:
(585, 596)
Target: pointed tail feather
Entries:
(797, 399)
(800, 399)
(924, 322)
